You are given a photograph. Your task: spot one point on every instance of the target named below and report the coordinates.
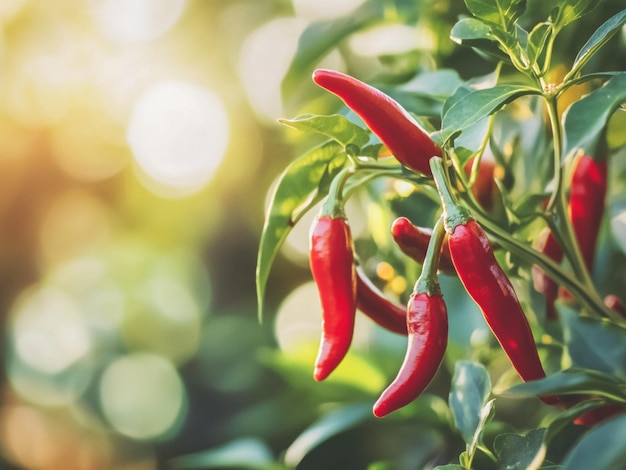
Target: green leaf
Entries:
(337, 127)
(478, 104)
(603, 448)
(594, 343)
(476, 34)
(321, 37)
(537, 40)
(601, 35)
(562, 421)
(585, 119)
(330, 425)
(301, 185)
(502, 13)
(571, 10)
(449, 467)
(439, 84)
(470, 390)
(571, 382)
(240, 453)
(517, 452)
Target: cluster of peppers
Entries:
(457, 244)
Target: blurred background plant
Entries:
(138, 141)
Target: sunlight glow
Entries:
(49, 332)
(136, 20)
(325, 9)
(179, 133)
(142, 395)
(385, 39)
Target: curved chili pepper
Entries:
(331, 260)
(488, 286)
(373, 303)
(546, 243)
(586, 203)
(413, 242)
(401, 134)
(427, 326)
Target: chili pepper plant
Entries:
(489, 176)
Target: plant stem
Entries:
(428, 281)
(557, 204)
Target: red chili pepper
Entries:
(373, 303)
(413, 241)
(586, 203)
(427, 324)
(488, 286)
(332, 265)
(598, 415)
(546, 243)
(401, 134)
(484, 186)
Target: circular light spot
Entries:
(142, 396)
(49, 331)
(179, 134)
(136, 20)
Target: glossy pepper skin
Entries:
(373, 303)
(492, 291)
(486, 283)
(331, 260)
(586, 203)
(413, 242)
(427, 325)
(394, 126)
(546, 243)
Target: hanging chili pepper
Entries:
(401, 134)
(373, 303)
(487, 284)
(332, 265)
(546, 243)
(427, 325)
(586, 203)
(413, 241)
(484, 187)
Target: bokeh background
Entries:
(138, 142)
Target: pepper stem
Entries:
(428, 282)
(333, 205)
(453, 213)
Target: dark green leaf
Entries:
(301, 185)
(598, 39)
(322, 37)
(502, 13)
(328, 426)
(470, 390)
(565, 419)
(573, 381)
(449, 467)
(241, 453)
(586, 118)
(603, 448)
(571, 10)
(517, 452)
(476, 34)
(593, 343)
(337, 127)
(478, 104)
